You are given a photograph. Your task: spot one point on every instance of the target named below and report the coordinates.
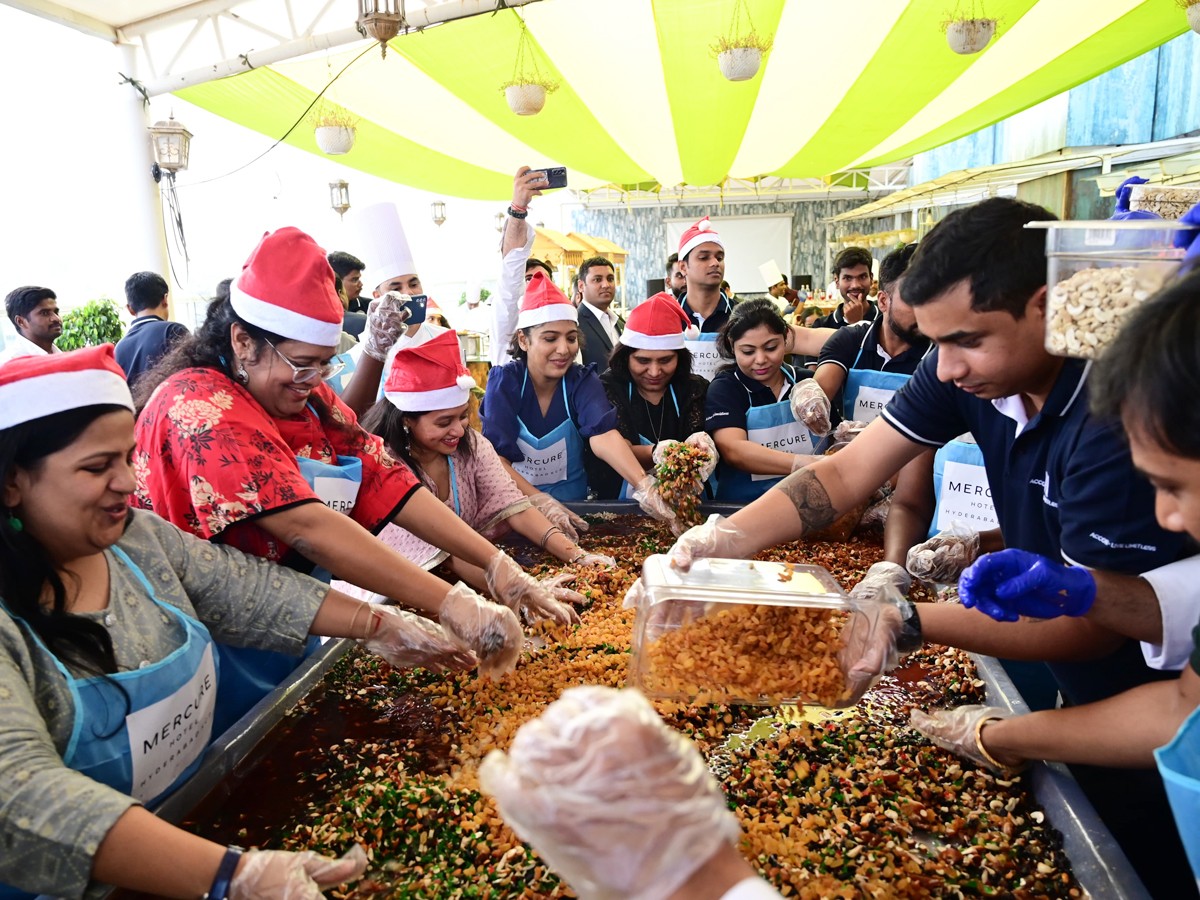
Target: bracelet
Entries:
(992, 761)
(519, 208)
(517, 214)
(545, 537)
(220, 885)
(909, 638)
(354, 620)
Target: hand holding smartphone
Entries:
(555, 177)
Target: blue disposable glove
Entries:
(1190, 239)
(1124, 191)
(1015, 583)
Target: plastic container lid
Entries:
(739, 632)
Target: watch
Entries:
(221, 881)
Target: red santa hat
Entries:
(544, 302)
(430, 376)
(32, 387)
(700, 233)
(658, 324)
(287, 287)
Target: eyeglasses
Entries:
(304, 374)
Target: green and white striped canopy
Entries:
(641, 101)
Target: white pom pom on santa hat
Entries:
(466, 382)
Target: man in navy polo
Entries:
(1063, 487)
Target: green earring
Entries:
(14, 523)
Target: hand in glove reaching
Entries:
(810, 406)
(386, 318)
(282, 875)
(945, 556)
(961, 730)
(568, 522)
(521, 592)
(1014, 583)
(492, 631)
(407, 641)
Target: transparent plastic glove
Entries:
(618, 804)
(385, 322)
(883, 580)
(1015, 583)
(945, 556)
(492, 631)
(1189, 239)
(715, 538)
(810, 406)
(281, 875)
(521, 592)
(701, 440)
(406, 641)
(847, 430)
(1124, 191)
(802, 460)
(883, 626)
(651, 501)
(635, 595)
(568, 522)
(557, 586)
(597, 559)
(659, 453)
(957, 730)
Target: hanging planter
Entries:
(1192, 8)
(335, 129)
(740, 50)
(967, 36)
(526, 91)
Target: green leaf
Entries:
(96, 322)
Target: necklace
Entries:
(662, 412)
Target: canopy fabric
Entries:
(641, 101)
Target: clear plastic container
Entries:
(739, 631)
(1165, 201)
(1097, 273)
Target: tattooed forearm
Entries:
(808, 495)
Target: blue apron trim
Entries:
(454, 487)
(1179, 765)
(339, 381)
(626, 487)
(574, 485)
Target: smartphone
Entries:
(556, 176)
(417, 305)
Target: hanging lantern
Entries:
(339, 197)
(500, 217)
(382, 20)
(172, 143)
(967, 36)
(438, 212)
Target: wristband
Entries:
(518, 207)
(995, 763)
(517, 214)
(909, 638)
(221, 881)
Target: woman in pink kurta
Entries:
(457, 463)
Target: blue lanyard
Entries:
(454, 487)
(563, 382)
(670, 387)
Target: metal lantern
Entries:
(339, 197)
(438, 211)
(381, 19)
(172, 143)
(500, 217)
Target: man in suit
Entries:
(599, 326)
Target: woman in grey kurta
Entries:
(107, 675)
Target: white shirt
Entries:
(608, 320)
(1179, 602)
(22, 346)
(477, 318)
(508, 297)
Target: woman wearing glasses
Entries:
(240, 441)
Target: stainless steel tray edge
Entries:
(1098, 861)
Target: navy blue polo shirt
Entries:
(857, 347)
(1064, 487)
(731, 395)
(714, 322)
(145, 343)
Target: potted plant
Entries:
(335, 129)
(1192, 8)
(527, 89)
(740, 50)
(94, 323)
(966, 36)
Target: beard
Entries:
(910, 336)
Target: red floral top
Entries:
(210, 460)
